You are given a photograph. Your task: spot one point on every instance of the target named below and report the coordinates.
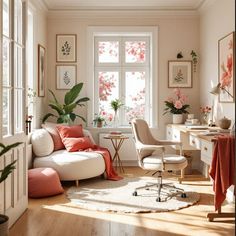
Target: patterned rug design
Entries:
(116, 196)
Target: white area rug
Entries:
(116, 196)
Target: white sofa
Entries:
(69, 165)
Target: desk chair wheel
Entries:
(183, 195)
(135, 193)
(158, 199)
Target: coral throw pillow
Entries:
(75, 131)
(58, 145)
(77, 144)
(43, 182)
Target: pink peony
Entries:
(178, 104)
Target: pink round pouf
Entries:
(43, 182)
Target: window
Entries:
(12, 68)
(123, 68)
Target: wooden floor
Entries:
(47, 217)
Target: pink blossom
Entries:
(183, 98)
(229, 63)
(177, 92)
(178, 104)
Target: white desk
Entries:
(192, 140)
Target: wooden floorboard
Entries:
(48, 217)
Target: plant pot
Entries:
(99, 124)
(4, 225)
(177, 118)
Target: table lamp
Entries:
(216, 90)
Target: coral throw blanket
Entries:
(223, 167)
(111, 174)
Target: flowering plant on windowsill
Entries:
(177, 104)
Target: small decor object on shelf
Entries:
(205, 111)
(176, 106)
(179, 55)
(194, 59)
(116, 104)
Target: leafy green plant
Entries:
(116, 104)
(65, 112)
(9, 168)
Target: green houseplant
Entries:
(65, 112)
(115, 105)
(4, 174)
(98, 120)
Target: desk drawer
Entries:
(176, 135)
(206, 151)
(169, 133)
(195, 142)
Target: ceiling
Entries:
(123, 4)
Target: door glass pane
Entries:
(18, 67)
(6, 112)
(108, 52)
(108, 91)
(135, 97)
(18, 21)
(135, 51)
(18, 110)
(6, 17)
(6, 62)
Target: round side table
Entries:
(117, 141)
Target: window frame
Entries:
(129, 32)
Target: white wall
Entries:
(215, 22)
(175, 33)
(40, 37)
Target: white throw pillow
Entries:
(42, 143)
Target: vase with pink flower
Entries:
(205, 111)
(177, 106)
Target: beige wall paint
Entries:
(174, 34)
(40, 37)
(215, 22)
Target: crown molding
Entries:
(147, 14)
(40, 5)
(205, 5)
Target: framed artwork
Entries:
(66, 76)
(41, 71)
(179, 74)
(226, 73)
(66, 47)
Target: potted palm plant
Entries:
(65, 112)
(4, 174)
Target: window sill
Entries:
(125, 129)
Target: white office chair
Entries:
(152, 157)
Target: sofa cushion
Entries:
(77, 144)
(42, 143)
(58, 144)
(74, 131)
(43, 182)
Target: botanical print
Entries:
(180, 74)
(41, 71)
(66, 76)
(225, 67)
(66, 48)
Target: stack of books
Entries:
(115, 133)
